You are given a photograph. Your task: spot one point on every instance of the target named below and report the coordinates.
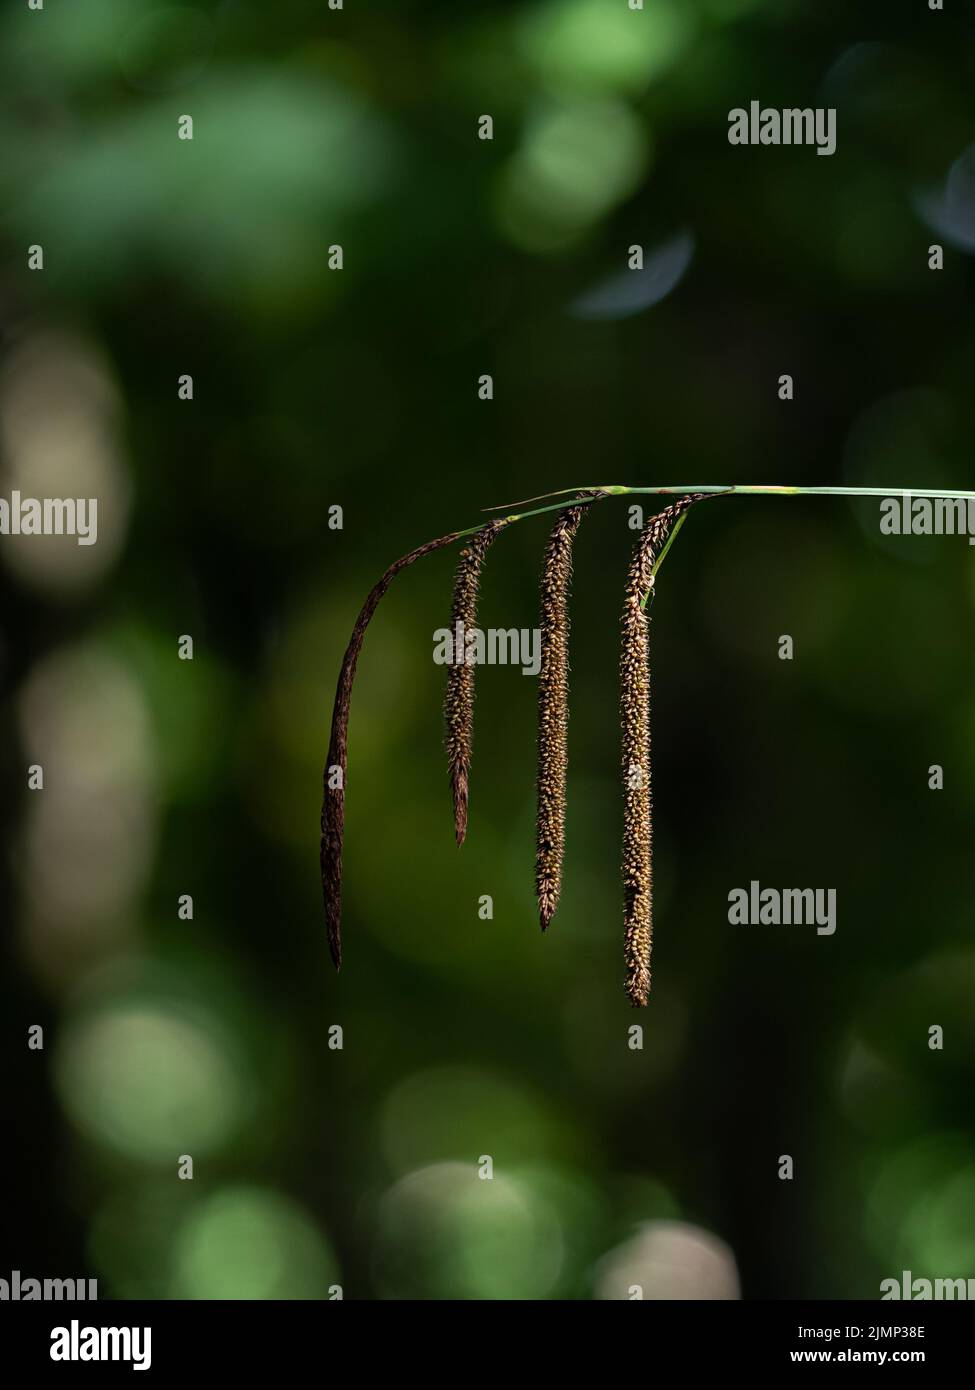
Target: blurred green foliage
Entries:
(315, 388)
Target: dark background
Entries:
(316, 388)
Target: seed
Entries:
(553, 711)
(637, 862)
(459, 695)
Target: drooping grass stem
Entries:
(333, 799)
(336, 762)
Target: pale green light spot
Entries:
(251, 1243)
(444, 1112)
(940, 1231)
(149, 1082)
(604, 45)
(578, 160)
(445, 1233)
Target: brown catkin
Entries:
(459, 695)
(637, 866)
(336, 763)
(553, 711)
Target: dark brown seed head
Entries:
(637, 865)
(553, 711)
(333, 782)
(459, 695)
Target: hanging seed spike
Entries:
(459, 694)
(333, 798)
(637, 825)
(553, 711)
(637, 859)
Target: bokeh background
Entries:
(357, 388)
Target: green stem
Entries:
(620, 490)
(670, 540)
(660, 558)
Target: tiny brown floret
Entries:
(637, 865)
(553, 711)
(459, 696)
